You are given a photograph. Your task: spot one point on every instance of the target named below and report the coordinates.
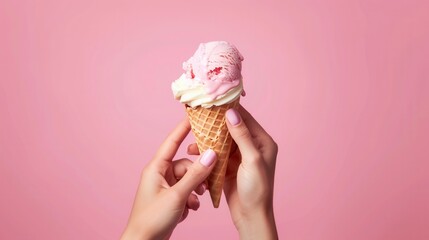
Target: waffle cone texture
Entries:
(210, 131)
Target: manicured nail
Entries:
(233, 117)
(208, 158)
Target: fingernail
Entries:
(208, 158)
(233, 117)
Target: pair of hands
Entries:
(162, 200)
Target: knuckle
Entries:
(270, 145)
(195, 173)
(254, 158)
(274, 146)
(242, 133)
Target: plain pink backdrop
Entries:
(342, 86)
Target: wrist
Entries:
(257, 224)
(133, 234)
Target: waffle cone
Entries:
(210, 131)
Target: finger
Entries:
(196, 174)
(184, 214)
(201, 189)
(234, 148)
(169, 147)
(193, 149)
(233, 165)
(193, 202)
(254, 127)
(180, 167)
(266, 142)
(241, 134)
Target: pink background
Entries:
(342, 86)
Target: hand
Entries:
(162, 200)
(249, 180)
(249, 185)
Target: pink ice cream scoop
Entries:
(217, 65)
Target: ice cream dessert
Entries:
(212, 84)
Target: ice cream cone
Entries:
(210, 131)
(211, 84)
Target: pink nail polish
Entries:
(233, 117)
(208, 158)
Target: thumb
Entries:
(196, 174)
(241, 135)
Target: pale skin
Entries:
(167, 188)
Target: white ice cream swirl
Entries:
(193, 93)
